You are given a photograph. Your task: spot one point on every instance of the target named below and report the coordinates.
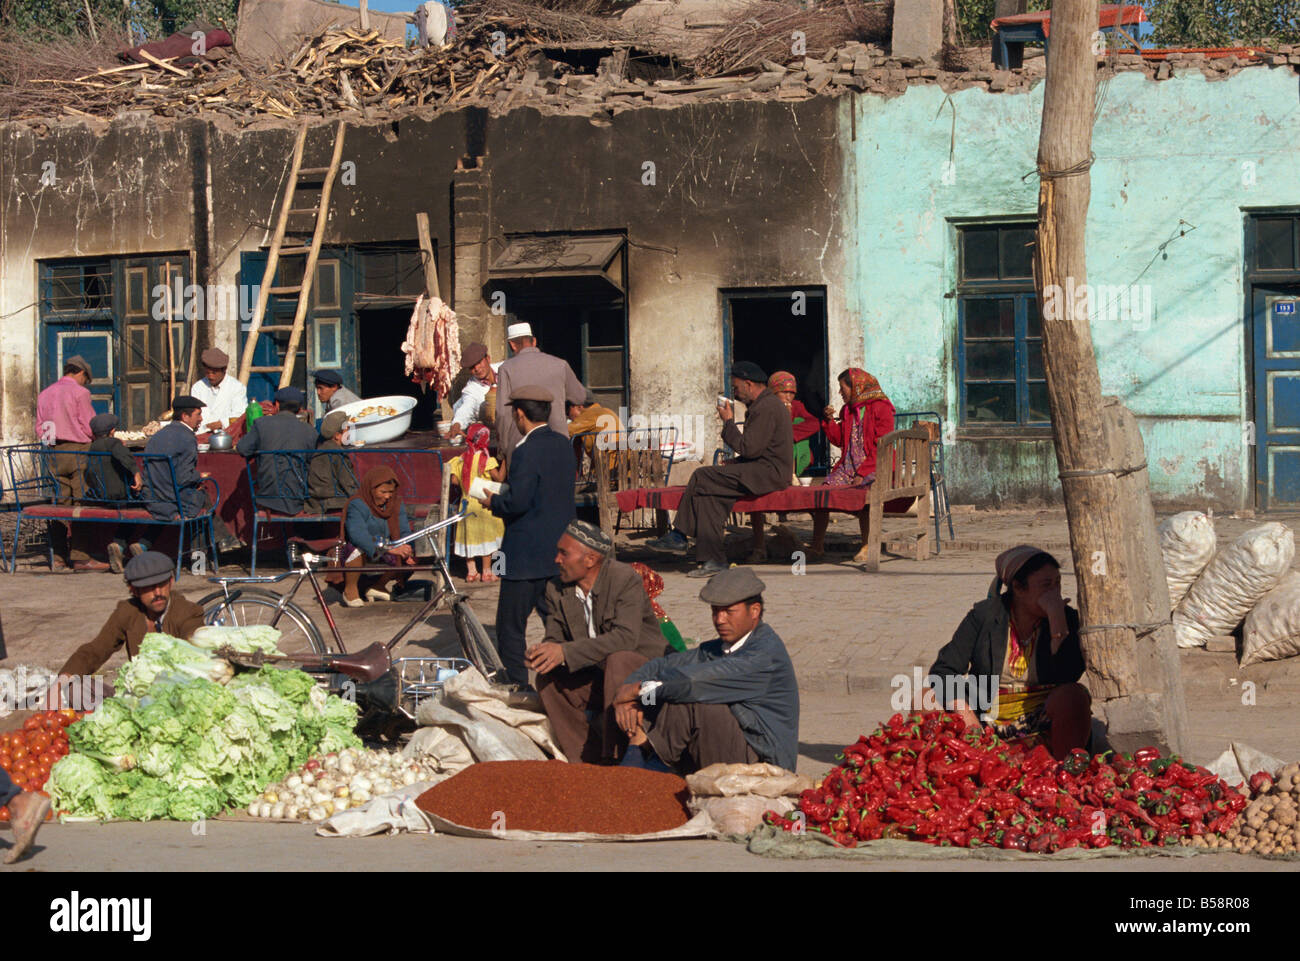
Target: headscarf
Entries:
(863, 387)
(392, 512)
(782, 380)
(476, 438)
(1009, 563)
(654, 586)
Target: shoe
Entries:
(375, 594)
(115, 557)
(90, 565)
(229, 544)
(353, 602)
(60, 566)
(674, 542)
(707, 569)
(137, 548)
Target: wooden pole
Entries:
(365, 16)
(171, 339)
(430, 280)
(1137, 704)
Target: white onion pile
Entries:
(327, 785)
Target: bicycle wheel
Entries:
(298, 633)
(478, 647)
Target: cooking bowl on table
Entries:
(376, 428)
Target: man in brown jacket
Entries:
(599, 629)
(764, 463)
(153, 607)
(528, 365)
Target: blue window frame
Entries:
(999, 332)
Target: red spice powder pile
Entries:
(559, 797)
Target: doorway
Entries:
(591, 337)
(782, 329)
(381, 365)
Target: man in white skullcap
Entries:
(528, 365)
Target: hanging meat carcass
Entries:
(432, 345)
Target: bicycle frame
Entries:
(310, 567)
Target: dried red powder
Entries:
(559, 797)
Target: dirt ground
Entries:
(850, 634)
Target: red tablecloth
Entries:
(849, 500)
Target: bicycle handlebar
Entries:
(425, 531)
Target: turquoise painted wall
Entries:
(1185, 149)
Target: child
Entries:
(479, 535)
(111, 480)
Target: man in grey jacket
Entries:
(281, 477)
(528, 365)
(764, 463)
(600, 627)
(732, 700)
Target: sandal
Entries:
(490, 578)
(353, 602)
(473, 577)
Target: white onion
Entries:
(409, 778)
(252, 808)
(341, 792)
(360, 797)
(277, 811)
(270, 796)
(347, 766)
(330, 763)
(308, 778)
(317, 813)
(293, 781)
(264, 809)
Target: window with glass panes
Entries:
(999, 332)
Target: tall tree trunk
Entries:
(1101, 515)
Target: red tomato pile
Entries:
(927, 778)
(27, 755)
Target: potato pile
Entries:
(1271, 822)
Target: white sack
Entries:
(1273, 624)
(1232, 583)
(734, 780)
(1187, 544)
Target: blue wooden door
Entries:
(92, 340)
(1276, 429)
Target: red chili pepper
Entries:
(1099, 841)
(1133, 809)
(1146, 755)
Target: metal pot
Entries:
(220, 440)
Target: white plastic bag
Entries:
(1273, 624)
(1187, 543)
(1233, 583)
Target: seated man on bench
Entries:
(764, 463)
(732, 700)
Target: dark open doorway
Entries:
(782, 329)
(591, 337)
(381, 365)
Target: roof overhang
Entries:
(576, 263)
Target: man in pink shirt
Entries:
(63, 412)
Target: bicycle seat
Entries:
(367, 665)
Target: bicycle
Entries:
(385, 684)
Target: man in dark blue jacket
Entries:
(177, 441)
(281, 478)
(536, 504)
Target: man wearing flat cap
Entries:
(330, 390)
(731, 700)
(536, 504)
(224, 398)
(63, 413)
(469, 391)
(600, 627)
(281, 477)
(176, 440)
(528, 365)
(152, 607)
(764, 463)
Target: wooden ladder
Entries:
(298, 174)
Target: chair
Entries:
(642, 457)
(908, 454)
(938, 486)
(288, 480)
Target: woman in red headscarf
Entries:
(375, 514)
(478, 535)
(867, 416)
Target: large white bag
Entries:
(1187, 544)
(1273, 625)
(1233, 583)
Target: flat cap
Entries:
(186, 402)
(532, 392)
(747, 370)
(333, 423)
(290, 395)
(102, 424)
(472, 354)
(216, 359)
(731, 586)
(79, 362)
(590, 536)
(149, 568)
(331, 378)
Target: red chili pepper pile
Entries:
(925, 777)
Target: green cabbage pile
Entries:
(185, 747)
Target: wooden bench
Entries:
(907, 452)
